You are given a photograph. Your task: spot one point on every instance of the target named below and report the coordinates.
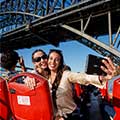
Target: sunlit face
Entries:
(41, 62)
(54, 61)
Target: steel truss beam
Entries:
(41, 22)
(111, 51)
(14, 13)
(100, 47)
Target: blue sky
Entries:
(74, 53)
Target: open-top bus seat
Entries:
(4, 101)
(30, 104)
(116, 98)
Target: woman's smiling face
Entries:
(54, 61)
(42, 62)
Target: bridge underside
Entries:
(91, 20)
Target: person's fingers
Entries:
(111, 65)
(30, 82)
(107, 71)
(106, 67)
(33, 82)
(110, 68)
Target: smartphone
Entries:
(93, 64)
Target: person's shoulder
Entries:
(66, 72)
(8, 74)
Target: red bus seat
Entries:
(78, 89)
(103, 92)
(4, 101)
(27, 104)
(116, 98)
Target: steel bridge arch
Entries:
(69, 19)
(25, 11)
(20, 13)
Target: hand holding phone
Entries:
(93, 64)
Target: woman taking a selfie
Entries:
(61, 80)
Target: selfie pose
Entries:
(61, 79)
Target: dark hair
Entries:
(9, 59)
(60, 71)
(38, 50)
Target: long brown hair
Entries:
(60, 71)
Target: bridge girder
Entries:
(28, 27)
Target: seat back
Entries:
(27, 104)
(4, 101)
(116, 98)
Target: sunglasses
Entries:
(39, 58)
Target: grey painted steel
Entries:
(20, 18)
(111, 50)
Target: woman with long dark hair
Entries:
(61, 80)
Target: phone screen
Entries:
(93, 64)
